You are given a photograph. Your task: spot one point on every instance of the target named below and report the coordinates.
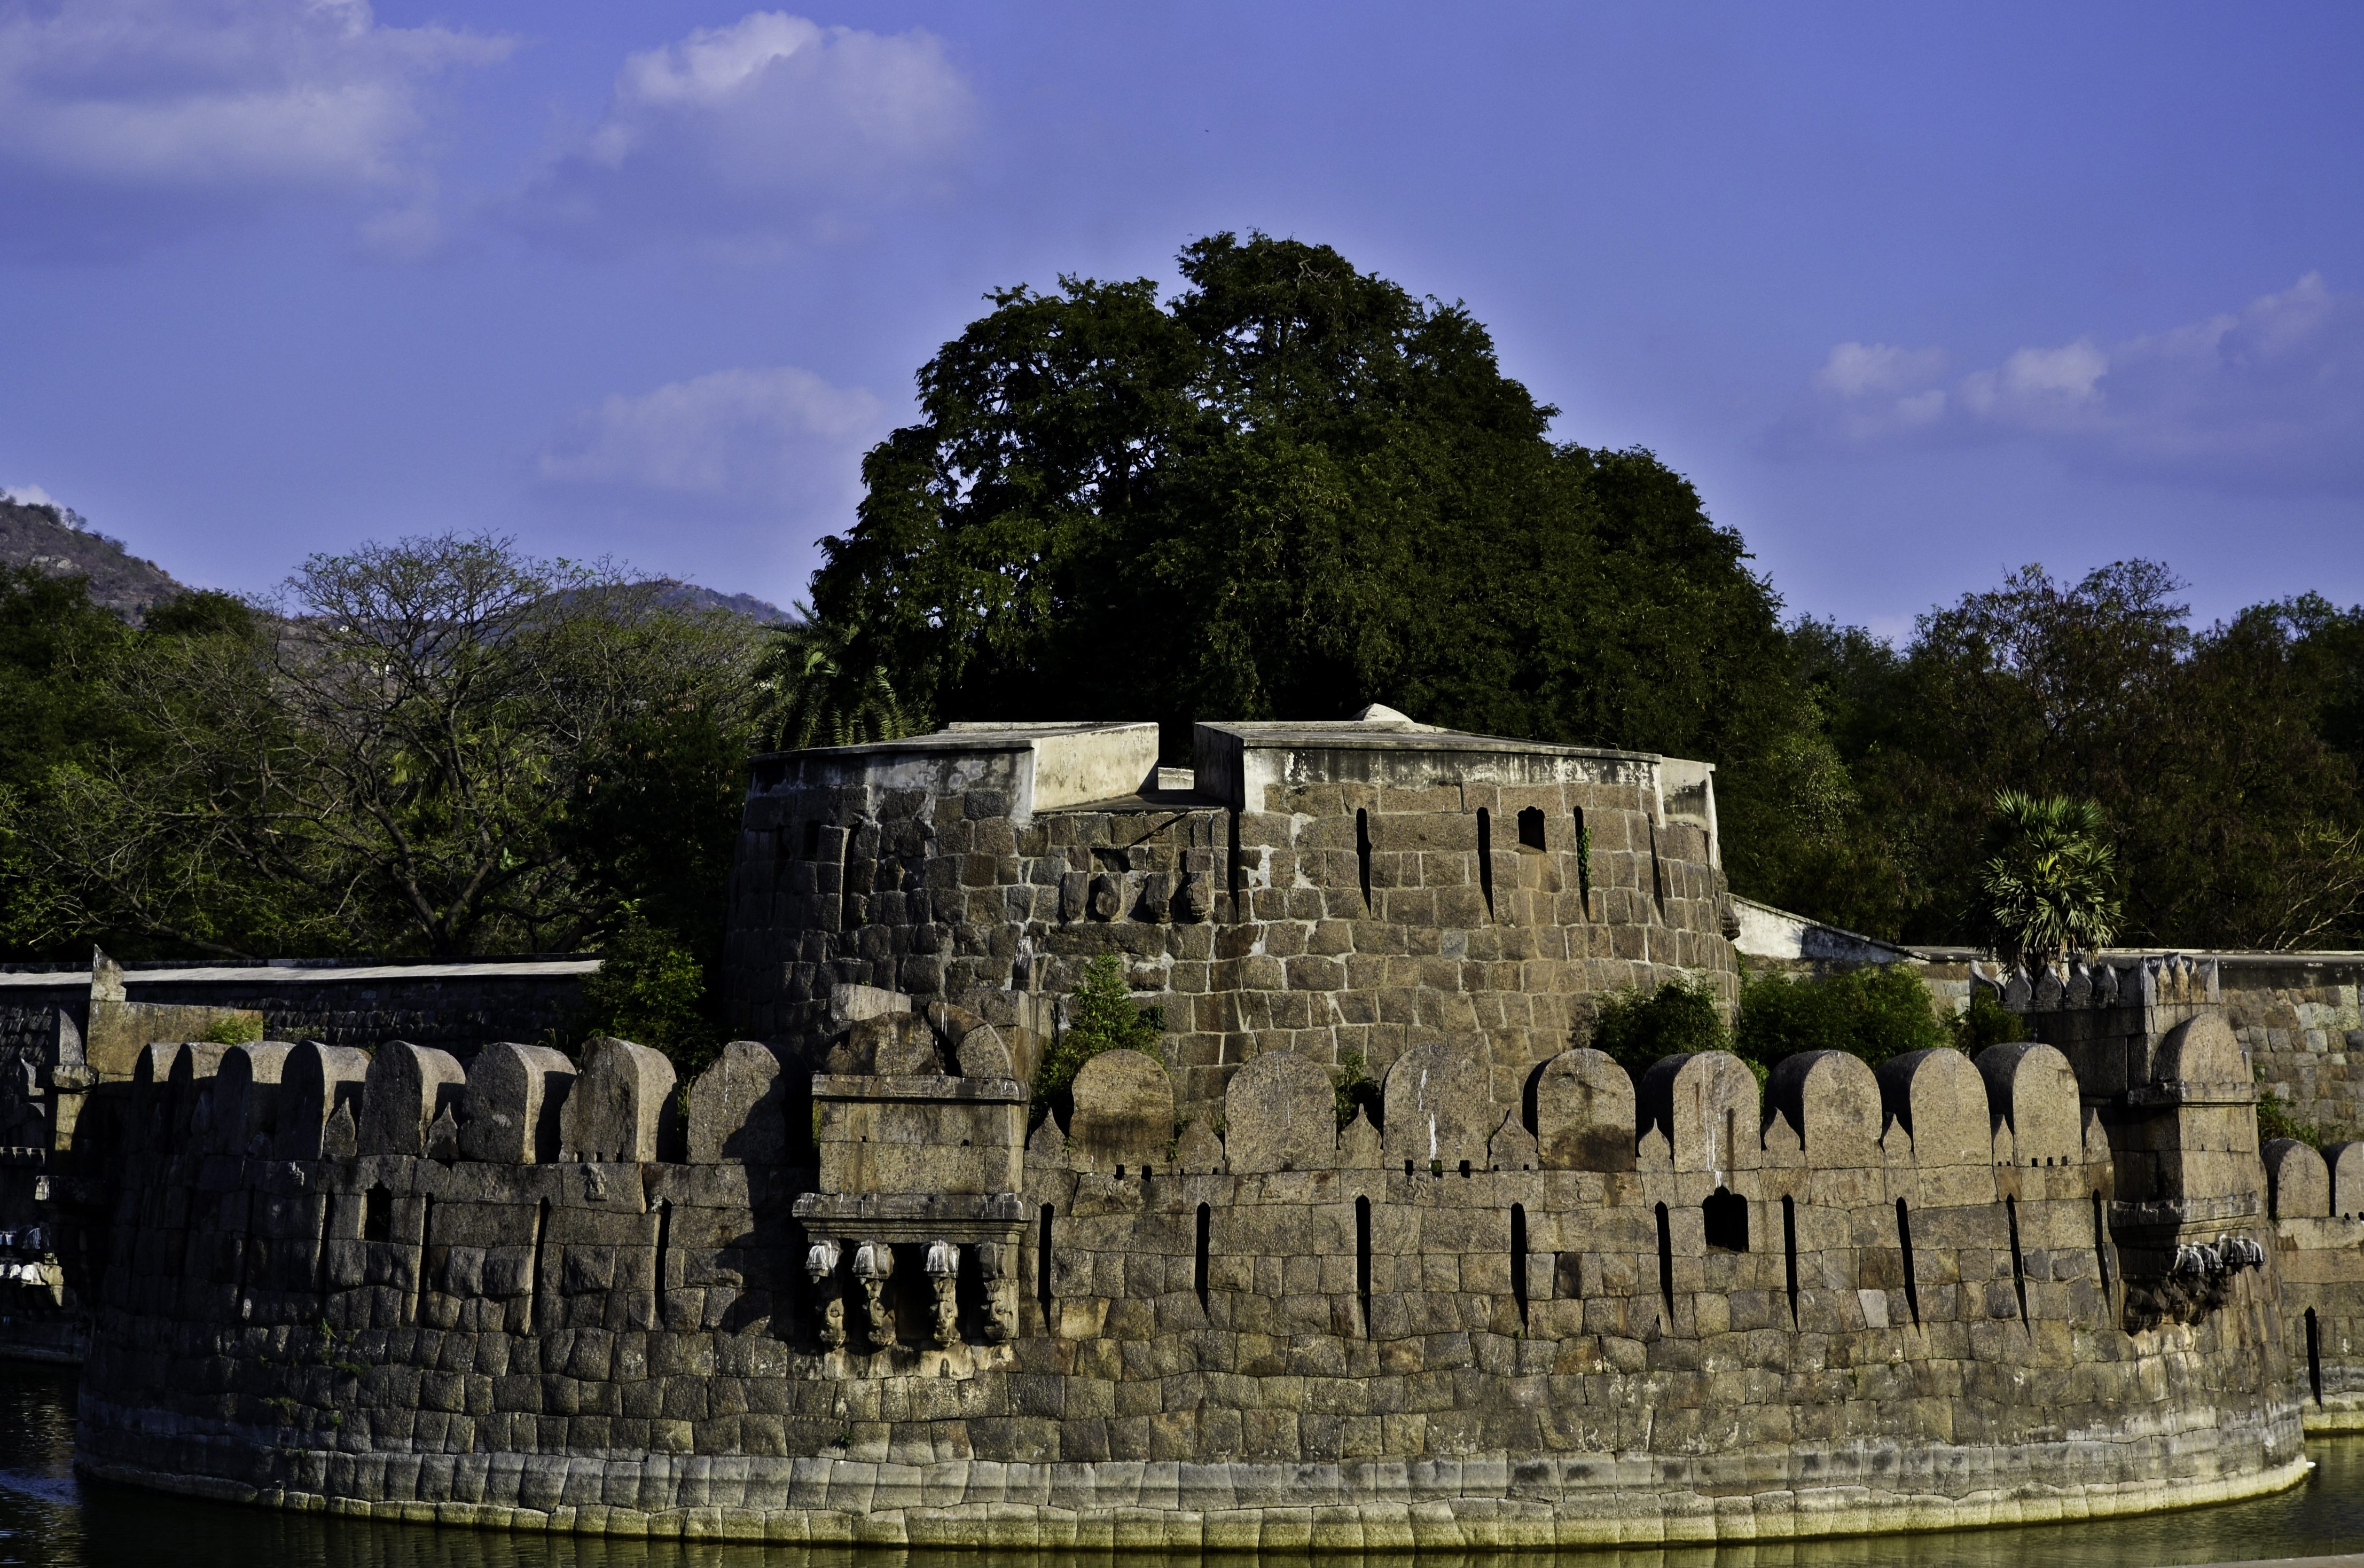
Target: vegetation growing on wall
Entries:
(1101, 1017)
(1874, 1012)
(652, 992)
(1637, 1028)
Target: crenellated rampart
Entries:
(851, 1285)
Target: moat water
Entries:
(50, 1519)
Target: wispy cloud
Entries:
(2268, 398)
(125, 121)
(775, 443)
(750, 138)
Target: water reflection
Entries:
(49, 1519)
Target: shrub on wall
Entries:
(652, 993)
(1875, 1012)
(1637, 1028)
(1101, 1017)
(233, 1031)
(1986, 1022)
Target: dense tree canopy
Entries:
(442, 746)
(1290, 490)
(2223, 761)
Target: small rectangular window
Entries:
(1531, 828)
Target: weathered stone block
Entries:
(738, 1108)
(1123, 1112)
(1830, 1102)
(2298, 1182)
(406, 1087)
(1706, 1106)
(1438, 1107)
(1940, 1100)
(621, 1107)
(1280, 1114)
(1584, 1113)
(510, 1112)
(2032, 1091)
(246, 1098)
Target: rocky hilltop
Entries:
(56, 539)
(44, 537)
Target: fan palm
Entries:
(820, 690)
(2053, 888)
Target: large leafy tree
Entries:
(2217, 757)
(1291, 489)
(441, 747)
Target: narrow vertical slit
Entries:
(1666, 1265)
(1583, 863)
(1206, 1230)
(1789, 1247)
(1363, 852)
(1657, 874)
(1485, 858)
(1519, 1259)
(418, 1293)
(1043, 1270)
(1235, 869)
(2314, 1356)
(1905, 1241)
(845, 920)
(320, 1253)
(665, 1245)
(2101, 1245)
(2018, 1263)
(1362, 1258)
(533, 1273)
(377, 1214)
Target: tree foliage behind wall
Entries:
(441, 746)
(2223, 761)
(1291, 490)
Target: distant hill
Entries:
(41, 536)
(55, 540)
(681, 595)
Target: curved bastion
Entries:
(841, 1288)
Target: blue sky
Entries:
(1914, 294)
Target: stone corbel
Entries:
(943, 1272)
(821, 1265)
(874, 1265)
(997, 1262)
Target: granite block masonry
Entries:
(858, 1293)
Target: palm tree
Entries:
(2053, 888)
(820, 690)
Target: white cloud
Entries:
(120, 119)
(770, 441)
(2266, 398)
(755, 136)
(27, 495)
(1855, 369)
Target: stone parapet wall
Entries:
(1665, 1310)
(1381, 889)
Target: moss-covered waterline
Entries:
(51, 1520)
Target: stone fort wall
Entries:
(844, 1289)
(1323, 889)
(1881, 1300)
